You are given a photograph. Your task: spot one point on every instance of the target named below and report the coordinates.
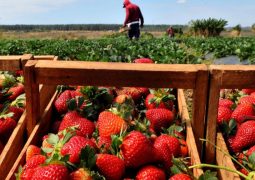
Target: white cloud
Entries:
(181, 1)
(14, 9)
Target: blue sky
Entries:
(111, 11)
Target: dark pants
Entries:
(134, 31)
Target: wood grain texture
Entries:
(116, 74)
(190, 138)
(224, 160)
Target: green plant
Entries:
(207, 27)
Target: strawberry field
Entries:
(162, 50)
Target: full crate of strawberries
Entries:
(12, 107)
(111, 121)
(231, 125)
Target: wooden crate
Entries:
(19, 135)
(120, 75)
(224, 77)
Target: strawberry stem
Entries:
(226, 154)
(219, 167)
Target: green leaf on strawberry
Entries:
(208, 175)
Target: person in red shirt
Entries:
(134, 19)
(170, 32)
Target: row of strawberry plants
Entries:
(162, 50)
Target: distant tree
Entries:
(253, 27)
(207, 27)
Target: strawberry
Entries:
(26, 174)
(166, 147)
(244, 136)
(250, 151)
(61, 102)
(15, 91)
(137, 150)
(244, 171)
(241, 111)
(143, 60)
(184, 148)
(110, 166)
(17, 112)
(159, 118)
(145, 91)
(7, 125)
(109, 124)
(73, 147)
(35, 161)
(253, 94)
(81, 174)
(133, 92)
(180, 177)
(32, 150)
(247, 100)
(17, 107)
(226, 103)
(224, 114)
(72, 118)
(248, 91)
(160, 98)
(104, 143)
(7, 81)
(150, 172)
(51, 171)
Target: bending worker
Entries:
(134, 19)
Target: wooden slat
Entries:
(44, 57)
(32, 96)
(190, 138)
(199, 107)
(116, 74)
(9, 64)
(224, 160)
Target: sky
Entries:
(111, 11)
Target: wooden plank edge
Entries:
(190, 139)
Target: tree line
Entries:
(80, 27)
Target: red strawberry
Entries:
(180, 177)
(7, 125)
(241, 111)
(248, 91)
(61, 101)
(159, 118)
(226, 103)
(17, 112)
(241, 158)
(150, 173)
(250, 151)
(16, 91)
(109, 123)
(166, 147)
(184, 148)
(52, 171)
(137, 150)
(253, 94)
(244, 171)
(35, 161)
(247, 100)
(104, 142)
(159, 99)
(224, 114)
(72, 118)
(81, 174)
(32, 150)
(73, 147)
(145, 91)
(110, 166)
(27, 174)
(135, 93)
(244, 136)
(143, 60)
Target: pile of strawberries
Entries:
(110, 133)
(12, 103)
(236, 115)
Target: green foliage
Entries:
(207, 27)
(253, 27)
(237, 28)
